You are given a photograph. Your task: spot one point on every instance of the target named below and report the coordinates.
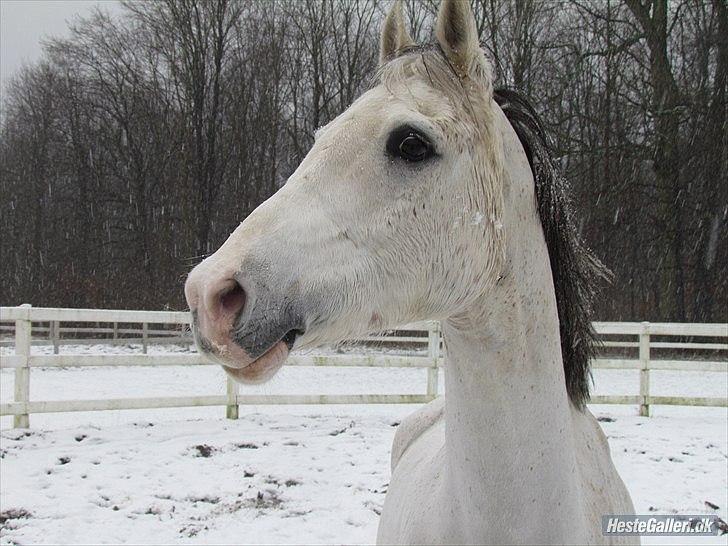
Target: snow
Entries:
(291, 474)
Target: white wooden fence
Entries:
(706, 349)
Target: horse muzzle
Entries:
(239, 323)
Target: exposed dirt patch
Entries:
(264, 500)
(9, 517)
(341, 430)
(246, 445)
(202, 450)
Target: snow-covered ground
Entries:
(290, 474)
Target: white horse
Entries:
(433, 197)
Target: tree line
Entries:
(137, 143)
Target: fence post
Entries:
(116, 330)
(23, 333)
(232, 409)
(433, 351)
(55, 332)
(645, 370)
(144, 337)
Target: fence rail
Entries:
(704, 349)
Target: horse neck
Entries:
(510, 445)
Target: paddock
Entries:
(626, 346)
(304, 458)
(289, 474)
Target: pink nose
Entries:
(215, 298)
(217, 301)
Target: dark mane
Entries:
(576, 271)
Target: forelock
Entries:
(429, 63)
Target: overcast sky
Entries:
(24, 23)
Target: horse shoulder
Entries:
(414, 425)
(603, 488)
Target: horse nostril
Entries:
(232, 300)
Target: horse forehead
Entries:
(386, 105)
(408, 97)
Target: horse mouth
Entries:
(266, 365)
(290, 338)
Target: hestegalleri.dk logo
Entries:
(663, 525)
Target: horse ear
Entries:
(394, 33)
(457, 34)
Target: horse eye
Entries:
(408, 144)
